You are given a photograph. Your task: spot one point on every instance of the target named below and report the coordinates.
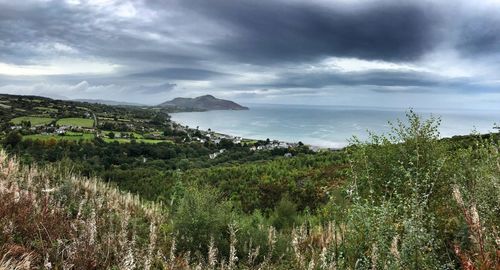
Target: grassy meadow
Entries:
(76, 122)
(35, 120)
(66, 137)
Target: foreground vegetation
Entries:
(407, 200)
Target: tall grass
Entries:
(53, 219)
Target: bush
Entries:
(399, 182)
(285, 214)
(202, 214)
(13, 138)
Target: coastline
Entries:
(324, 127)
(241, 139)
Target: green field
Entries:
(35, 121)
(76, 122)
(42, 137)
(109, 119)
(45, 109)
(135, 134)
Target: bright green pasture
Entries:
(44, 137)
(76, 122)
(135, 134)
(35, 121)
(45, 109)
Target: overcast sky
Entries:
(345, 52)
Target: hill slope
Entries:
(109, 102)
(202, 103)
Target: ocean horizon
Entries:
(328, 126)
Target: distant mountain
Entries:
(53, 97)
(202, 103)
(109, 102)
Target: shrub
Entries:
(285, 214)
(202, 214)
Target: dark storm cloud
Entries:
(25, 26)
(180, 74)
(257, 31)
(373, 78)
(480, 35)
(157, 89)
(273, 31)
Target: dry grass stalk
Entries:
(232, 247)
(24, 262)
(152, 244)
(35, 206)
(212, 254)
(480, 257)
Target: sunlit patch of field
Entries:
(35, 120)
(70, 137)
(76, 122)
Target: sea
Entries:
(329, 126)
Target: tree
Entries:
(111, 135)
(202, 214)
(198, 134)
(226, 143)
(285, 213)
(13, 138)
(168, 131)
(26, 124)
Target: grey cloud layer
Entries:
(269, 31)
(176, 47)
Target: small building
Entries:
(283, 145)
(61, 130)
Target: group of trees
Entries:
(142, 167)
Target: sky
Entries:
(404, 53)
